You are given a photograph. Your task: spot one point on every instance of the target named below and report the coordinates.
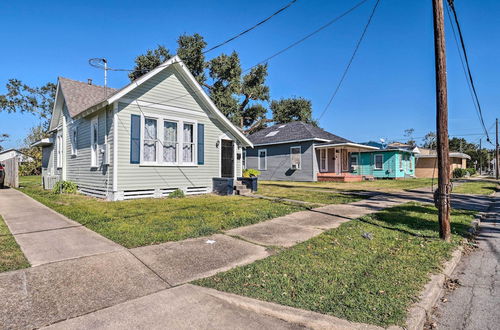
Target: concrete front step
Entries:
(245, 191)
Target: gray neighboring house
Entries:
(298, 151)
(159, 133)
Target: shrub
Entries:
(65, 187)
(250, 172)
(177, 193)
(471, 171)
(459, 172)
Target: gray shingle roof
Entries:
(293, 131)
(79, 95)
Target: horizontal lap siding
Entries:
(279, 163)
(78, 166)
(164, 88)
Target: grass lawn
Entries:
(341, 273)
(377, 185)
(142, 222)
(306, 195)
(11, 256)
(477, 187)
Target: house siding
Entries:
(97, 179)
(169, 89)
(391, 165)
(278, 162)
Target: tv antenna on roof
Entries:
(101, 63)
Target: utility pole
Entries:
(496, 154)
(443, 191)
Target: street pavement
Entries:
(475, 303)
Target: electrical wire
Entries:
(346, 70)
(225, 41)
(469, 73)
(357, 5)
(295, 43)
(250, 29)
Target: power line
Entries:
(277, 53)
(469, 73)
(295, 43)
(346, 70)
(251, 28)
(225, 41)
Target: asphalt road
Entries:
(475, 303)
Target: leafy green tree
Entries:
(292, 109)
(408, 133)
(236, 94)
(3, 137)
(429, 141)
(34, 167)
(20, 97)
(147, 62)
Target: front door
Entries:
(227, 159)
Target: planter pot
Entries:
(251, 183)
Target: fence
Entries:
(11, 168)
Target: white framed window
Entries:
(295, 158)
(59, 147)
(379, 162)
(94, 141)
(323, 155)
(244, 160)
(262, 159)
(150, 140)
(168, 141)
(354, 162)
(188, 145)
(74, 141)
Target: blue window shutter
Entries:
(135, 139)
(201, 144)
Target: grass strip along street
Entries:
(142, 222)
(11, 256)
(306, 195)
(368, 270)
(477, 187)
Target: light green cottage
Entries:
(384, 164)
(156, 135)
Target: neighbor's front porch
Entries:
(339, 162)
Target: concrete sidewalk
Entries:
(46, 236)
(475, 303)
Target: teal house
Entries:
(384, 163)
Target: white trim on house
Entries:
(347, 145)
(290, 141)
(265, 159)
(74, 140)
(115, 149)
(94, 140)
(193, 84)
(180, 122)
(56, 109)
(300, 157)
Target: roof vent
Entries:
(273, 133)
(282, 126)
(89, 81)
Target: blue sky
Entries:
(390, 86)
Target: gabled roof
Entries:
(79, 96)
(293, 132)
(83, 99)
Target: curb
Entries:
(418, 313)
